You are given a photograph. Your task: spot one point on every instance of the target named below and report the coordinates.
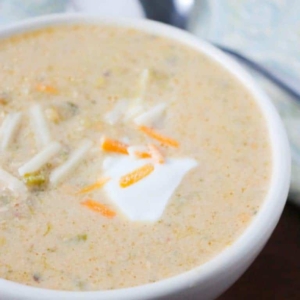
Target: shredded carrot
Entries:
(46, 88)
(157, 136)
(136, 175)
(98, 207)
(156, 154)
(97, 185)
(142, 155)
(114, 146)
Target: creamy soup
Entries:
(126, 158)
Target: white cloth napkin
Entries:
(14, 10)
(107, 8)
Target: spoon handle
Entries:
(164, 11)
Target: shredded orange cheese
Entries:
(156, 154)
(97, 185)
(159, 137)
(110, 145)
(142, 155)
(136, 175)
(99, 208)
(46, 88)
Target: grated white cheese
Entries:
(12, 183)
(63, 171)
(9, 129)
(40, 126)
(133, 111)
(136, 106)
(151, 116)
(143, 82)
(117, 112)
(40, 159)
(141, 86)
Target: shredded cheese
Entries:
(12, 183)
(40, 125)
(138, 152)
(156, 154)
(99, 208)
(40, 159)
(117, 112)
(142, 84)
(95, 186)
(136, 175)
(159, 137)
(63, 171)
(133, 111)
(150, 117)
(9, 129)
(110, 145)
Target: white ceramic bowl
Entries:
(214, 277)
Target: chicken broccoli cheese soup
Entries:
(126, 158)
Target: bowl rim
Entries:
(262, 225)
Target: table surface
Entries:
(275, 274)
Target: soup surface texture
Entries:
(96, 119)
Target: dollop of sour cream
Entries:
(146, 199)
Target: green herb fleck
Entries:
(81, 285)
(33, 180)
(81, 237)
(49, 228)
(73, 108)
(76, 239)
(51, 250)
